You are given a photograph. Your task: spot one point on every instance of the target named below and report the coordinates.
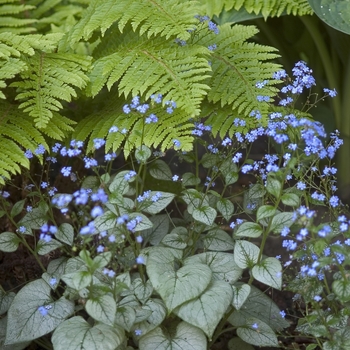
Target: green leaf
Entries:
(222, 265)
(44, 248)
(80, 279)
(102, 308)
(157, 232)
(225, 207)
(35, 218)
(257, 191)
(101, 260)
(218, 240)
(144, 224)
(56, 267)
(290, 199)
(150, 207)
(5, 301)
(185, 337)
(206, 311)
(25, 322)
(158, 313)
(17, 208)
(249, 229)
(204, 214)
(262, 336)
(142, 290)
(240, 295)
(175, 240)
(342, 289)
(274, 186)
(160, 170)
(91, 182)
(176, 286)
(258, 305)
(230, 172)
(238, 344)
(142, 153)
(189, 179)
(105, 222)
(209, 160)
(125, 317)
(194, 198)
(281, 220)
(311, 347)
(265, 211)
(76, 333)
(17, 346)
(246, 254)
(269, 272)
(119, 185)
(9, 242)
(336, 13)
(65, 234)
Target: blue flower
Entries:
(28, 154)
(40, 150)
(334, 201)
(213, 27)
(129, 175)
(140, 260)
(88, 229)
(98, 143)
(331, 93)
(96, 211)
(113, 129)
(176, 143)
(126, 109)
(43, 310)
(66, 170)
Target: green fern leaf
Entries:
(161, 134)
(143, 66)
(169, 18)
(237, 66)
(50, 78)
(58, 127)
(268, 8)
(16, 131)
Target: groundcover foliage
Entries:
(147, 241)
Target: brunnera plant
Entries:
(149, 256)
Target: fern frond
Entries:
(169, 18)
(58, 127)
(268, 8)
(161, 134)
(16, 25)
(50, 78)
(16, 129)
(143, 66)
(237, 66)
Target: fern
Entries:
(169, 18)
(50, 77)
(13, 47)
(10, 23)
(16, 129)
(97, 125)
(268, 8)
(147, 66)
(237, 66)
